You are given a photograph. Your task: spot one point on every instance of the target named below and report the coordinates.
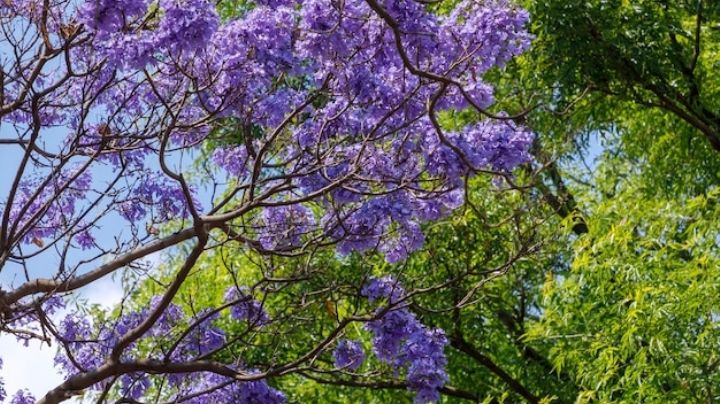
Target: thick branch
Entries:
(446, 390)
(82, 381)
(463, 346)
(52, 285)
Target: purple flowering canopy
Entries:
(334, 110)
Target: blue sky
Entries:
(32, 366)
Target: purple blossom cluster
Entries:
(284, 226)
(392, 223)
(105, 16)
(89, 346)
(245, 308)
(232, 159)
(505, 146)
(2, 385)
(23, 397)
(401, 340)
(221, 391)
(26, 322)
(43, 205)
(386, 287)
(349, 355)
(187, 24)
(156, 195)
(370, 154)
(336, 107)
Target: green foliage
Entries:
(624, 309)
(486, 246)
(628, 47)
(645, 72)
(636, 318)
(228, 9)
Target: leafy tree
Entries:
(490, 252)
(362, 125)
(640, 74)
(504, 346)
(658, 54)
(313, 124)
(634, 320)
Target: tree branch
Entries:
(463, 346)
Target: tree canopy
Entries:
(364, 201)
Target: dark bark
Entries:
(447, 390)
(463, 346)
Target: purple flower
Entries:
(284, 226)
(362, 154)
(349, 355)
(233, 159)
(246, 308)
(187, 24)
(202, 339)
(106, 16)
(23, 397)
(385, 287)
(402, 340)
(259, 392)
(48, 212)
(238, 392)
(85, 240)
(156, 195)
(2, 385)
(134, 386)
(53, 303)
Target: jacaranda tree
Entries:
(315, 123)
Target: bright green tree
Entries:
(575, 280)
